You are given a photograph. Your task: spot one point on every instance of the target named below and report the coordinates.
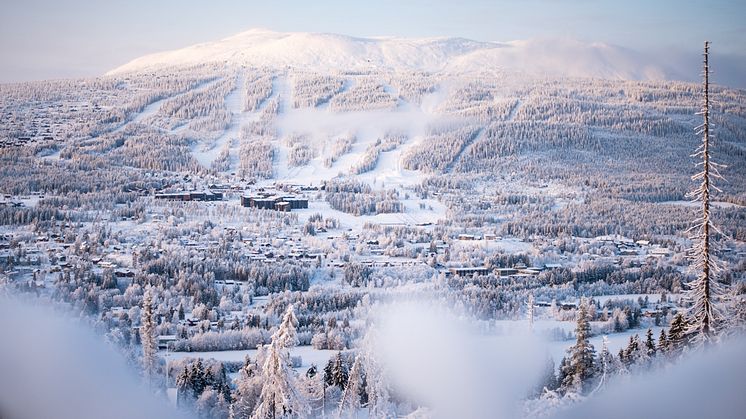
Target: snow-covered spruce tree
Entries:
(636, 354)
(336, 373)
(350, 402)
(280, 398)
(147, 337)
(705, 317)
(287, 335)
(183, 388)
(662, 342)
(376, 382)
(677, 338)
(650, 343)
(580, 356)
(248, 390)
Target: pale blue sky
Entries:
(56, 38)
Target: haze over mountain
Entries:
(324, 52)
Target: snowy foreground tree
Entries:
(706, 318)
(280, 397)
(350, 402)
(147, 336)
(578, 368)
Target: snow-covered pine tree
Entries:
(280, 397)
(376, 382)
(662, 342)
(286, 333)
(248, 390)
(147, 336)
(631, 350)
(677, 337)
(199, 380)
(637, 353)
(183, 388)
(336, 372)
(650, 343)
(350, 402)
(581, 354)
(706, 318)
(564, 371)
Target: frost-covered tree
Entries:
(248, 390)
(376, 381)
(706, 318)
(211, 404)
(147, 336)
(350, 402)
(605, 364)
(287, 335)
(336, 372)
(580, 356)
(677, 337)
(650, 343)
(280, 396)
(636, 355)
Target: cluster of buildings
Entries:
(517, 270)
(641, 250)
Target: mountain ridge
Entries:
(334, 52)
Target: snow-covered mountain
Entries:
(324, 52)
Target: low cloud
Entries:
(53, 367)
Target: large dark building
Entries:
(274, 202)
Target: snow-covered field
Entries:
(309, 355)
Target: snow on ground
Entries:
(27, 200)
(512, 245)
(719, 204)
(652, 298)
(309, 356)
(330, 52)
(412, 216)
(206, 153)
(321, 124)
(151, 109)
(322, 127)
(557, 348)
(55, 155)
(507, 245)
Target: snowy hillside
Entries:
(329, 52)
(451, 228)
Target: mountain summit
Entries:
(331, 52)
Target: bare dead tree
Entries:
(705, 316)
